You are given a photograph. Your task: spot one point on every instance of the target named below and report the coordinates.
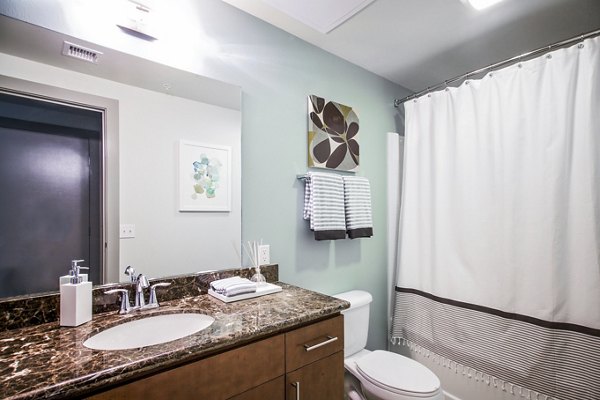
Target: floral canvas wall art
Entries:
(204, 177)
(332, 135)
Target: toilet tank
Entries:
(356, 320)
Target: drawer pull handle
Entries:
(297, 386)
(330, 339)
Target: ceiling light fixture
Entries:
(481, 4)
(138, 21)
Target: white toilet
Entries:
(379, 375)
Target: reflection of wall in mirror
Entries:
(150, 125)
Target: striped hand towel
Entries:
(357, 199)
(324, 205)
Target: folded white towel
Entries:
(324, 205)
(357, 199)
(223, 283)
(233, 286)
(240, 289)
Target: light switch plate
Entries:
(127, 231)
(264, 254)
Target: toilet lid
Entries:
(397, 372)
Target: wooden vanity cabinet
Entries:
(308, 359)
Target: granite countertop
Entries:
(49, 361)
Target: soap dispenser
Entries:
(75, 298)
(67, 278)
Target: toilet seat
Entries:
(398, 374)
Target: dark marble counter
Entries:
(23, 311)
(49, 361)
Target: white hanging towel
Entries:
(324, 205)
(357, 199)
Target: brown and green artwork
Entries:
(332, 135)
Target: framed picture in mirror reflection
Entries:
(204, 177)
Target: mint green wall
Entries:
(277, 72)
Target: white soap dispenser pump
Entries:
(75, 298)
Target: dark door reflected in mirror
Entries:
(50, 193)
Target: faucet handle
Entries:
(153, 302)
(125, 306)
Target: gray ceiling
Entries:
(420, 43)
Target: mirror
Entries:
(149, 110)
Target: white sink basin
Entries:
(149, 331)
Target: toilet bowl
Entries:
(380, 375)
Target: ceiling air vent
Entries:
(80, 52)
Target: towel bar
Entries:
(303, 176)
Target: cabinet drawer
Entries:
(313, 342)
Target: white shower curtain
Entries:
(499, 240)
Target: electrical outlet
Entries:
(264, 254)
(127, 231)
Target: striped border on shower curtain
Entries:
(556, 360)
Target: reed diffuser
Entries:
(251, 248)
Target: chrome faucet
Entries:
(141, 283)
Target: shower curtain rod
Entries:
(398, 102)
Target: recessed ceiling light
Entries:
(481, 4)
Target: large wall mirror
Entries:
(142, 113)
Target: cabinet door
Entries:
(320, 380)
(272, 390)
(216, 378)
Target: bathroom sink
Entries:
(149, 331)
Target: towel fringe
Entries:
(471, 373)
